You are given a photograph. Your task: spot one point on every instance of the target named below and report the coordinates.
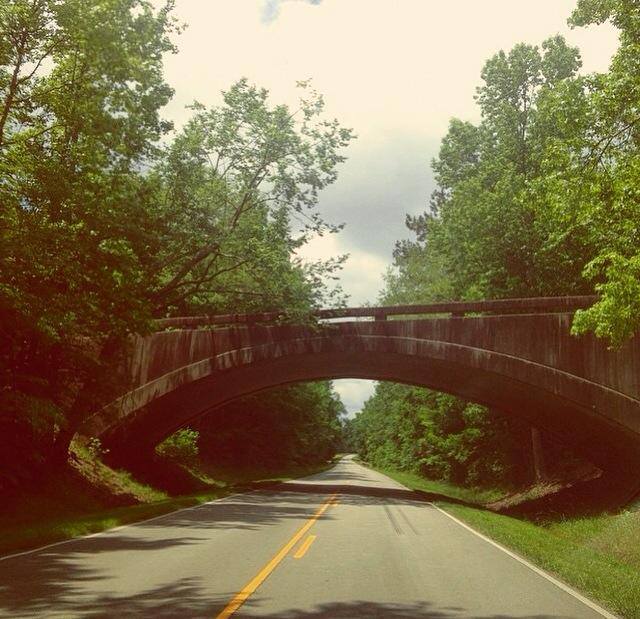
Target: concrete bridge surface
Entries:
(515, 355)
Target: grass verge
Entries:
(598, 555)
(66, 526)
(417, 482)
(69, 507)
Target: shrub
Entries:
(181, 446)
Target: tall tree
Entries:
(609, 164)
(238, 191)
(80, 88)
(439, 436)
(298, 424)
(102, 228)
(491, 229)
(481, 227)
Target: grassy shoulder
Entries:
(62, 526)
(598, 555)
(76, 505)
(417, 482)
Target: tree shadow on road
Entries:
(57, 577)
(363, 609)
(370, 491)
(333, 474)
(34, 584)
(71, 579)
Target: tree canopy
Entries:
(109, 218)
(538, 198)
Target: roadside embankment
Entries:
(90, 496)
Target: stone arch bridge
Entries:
(515, 355)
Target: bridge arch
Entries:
(520, 362)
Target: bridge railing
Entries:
(456, 308)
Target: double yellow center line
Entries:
(240, 598)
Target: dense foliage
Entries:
(289, 425)
(540, 198)
(108, 219)
(181, 446)
(441, 437)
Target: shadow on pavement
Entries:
(368, 491)
(360, 610)
(35, 584)
(337, 474)
(65, 576)
(69, 580)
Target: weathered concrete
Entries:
(523, 364)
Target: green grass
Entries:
(66, 526)
(417, 482)
(602, 566)
(598, 555)
(69, 506)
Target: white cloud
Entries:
(362, 273)
(353, 393)
(271, 8)
(382, 66)
(395, 72)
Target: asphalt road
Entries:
(344, 543)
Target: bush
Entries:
(181, 446)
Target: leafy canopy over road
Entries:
(541, 197)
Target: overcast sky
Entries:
(395, 72)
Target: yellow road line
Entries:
(304, 547)
(240, 598)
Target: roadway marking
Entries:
(302, 550)
(240, 598)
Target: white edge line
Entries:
(537, 570)
(122, 526)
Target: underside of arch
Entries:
(561, 404)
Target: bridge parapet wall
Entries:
(541, 338)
